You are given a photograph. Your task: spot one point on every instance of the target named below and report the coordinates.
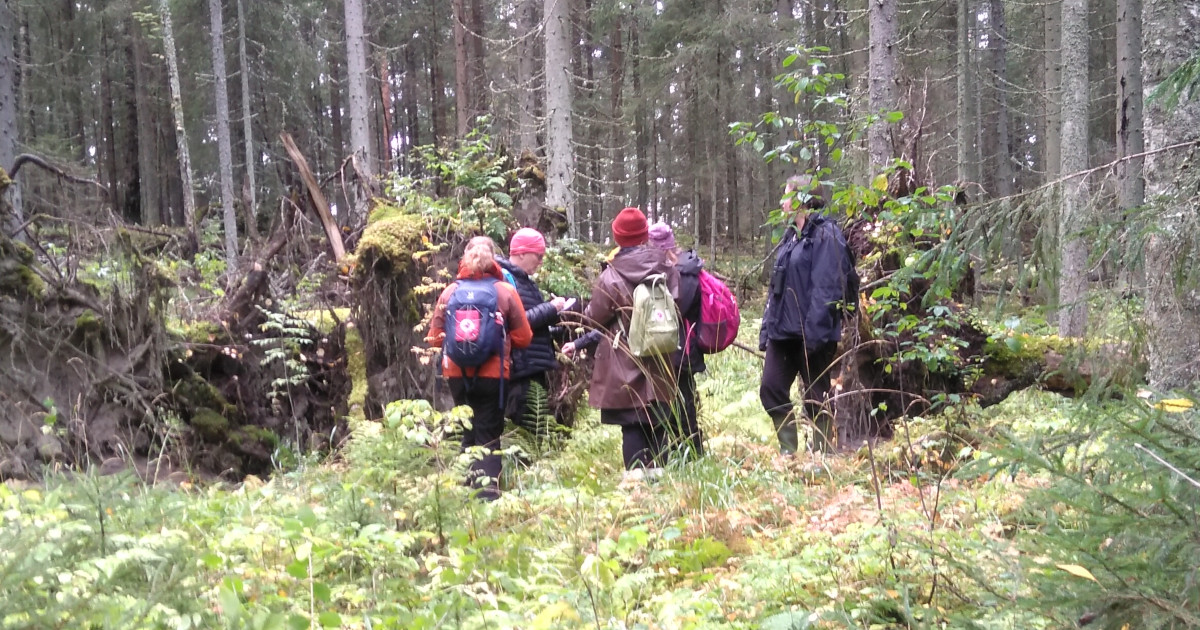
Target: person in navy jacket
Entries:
(813, 282)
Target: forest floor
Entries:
(920, 532)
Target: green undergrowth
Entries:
(1052, 515)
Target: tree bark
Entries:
(147, 140)
(8, 118)
(247, 126)
(337, 128)
(962, 102)
(437, 86)
(479, 83)
(224, 144)
(559, 151)
(185, 159)
(884, 32)
(616, 80)
(527, 83)
(1131, 186)
(360, 106)
(1072, 288)
(1002, 151)
(642, 124)
(1052, 90)
(1172, 295)
(386, 106)
(462, 68)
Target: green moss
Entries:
(395, 236)
(198, 393)
(246, 435)
(356, 366)
(211, 425)
(16, 270)
(323, 319)
(1014, 353)
(199, 331)
(88, 323)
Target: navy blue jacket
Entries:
(812, 282)
(539, 356)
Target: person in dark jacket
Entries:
(812, 283)
(631, 392)
(689, 361)
(527, 248)
(482, 387)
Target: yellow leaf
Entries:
(879, 183)
(1174, 405)
(1078, 571)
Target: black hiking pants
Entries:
(482, 395)
(787, 359)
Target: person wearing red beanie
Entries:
(630, 392)
(630, 228)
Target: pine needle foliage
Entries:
(1114, 535)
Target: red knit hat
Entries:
(630, 227)
(527, 241)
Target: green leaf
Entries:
(231, 605)
(893, 117)
(307, 516)
(298, 570)
(321, 592)
(299, 622)
(791, 59)
(329, 620)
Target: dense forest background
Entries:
(222, 223)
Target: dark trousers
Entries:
(787, 359)
(519, 410)
(686, 435)
(645, 434)
(482, 395)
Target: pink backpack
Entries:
(719, 315)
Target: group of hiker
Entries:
(653, 314)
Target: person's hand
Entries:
(559, 303)
(569, 349)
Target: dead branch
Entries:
(29, 158)
(318, 197)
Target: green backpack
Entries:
(654, 327)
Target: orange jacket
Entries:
(510, 307)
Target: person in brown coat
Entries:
(631, 392)
(481, 388)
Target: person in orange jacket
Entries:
(482, 387)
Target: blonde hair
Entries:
(480, 255)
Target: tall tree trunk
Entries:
(412, 127)
(1131, 186)
(642, 124)
(75, 66)
(224, 145)
(8, 116)
(1052, 89)
(335, 108)
(127, 131)
(437, 86)
(360, 105)
(527, 86)
(998, 43)
(462, 67)
(247, 126)
(616, 81)
(1172, 297)
(560, 172)
(881, 91)
(385, 105)
(479, 83)
(181, 139)
(963, 70)
(1072, 288)
(108, 148)
(147, 131)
